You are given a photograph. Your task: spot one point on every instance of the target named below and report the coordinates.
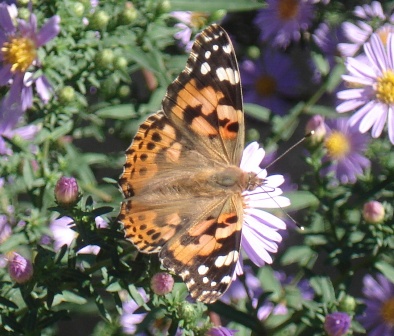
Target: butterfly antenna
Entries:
(290, 148)
(276, 160)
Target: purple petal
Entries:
(5, 19)
(48, 31)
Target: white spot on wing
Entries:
(226, 260)
(226, 279)
(205, 68)
(213, 283)
(205, 280)
(207, 54)
(227, 48)
(215, 47)
(228, 74)
(202, 269)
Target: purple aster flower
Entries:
(378, 317)
(238, 291)
(189, 21)
(63, 234)
(260, 235)
(129, 318)
(327, 39)
(337, 324)
(280, 308)
(283, 21)
(18, 52)
(5, 228)
(221, 331)
(370, 12)
(372, 81)
(19, 268)
(26, 133)
(345, 147)
(269, 81)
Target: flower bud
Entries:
(337, 324)
(99, 20)
(120, 63)
(66, 191)
(162, 283)
(347, 304)
(128, 15)
(373, 212)
(105, 59)
(316, 124)
(67, 94)
(19, 268)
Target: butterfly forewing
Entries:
(173, 204)
(206, 101)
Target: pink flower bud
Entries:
(162, 283)
(316, 124)
(66, 191)
(373, 212)
(19, 268)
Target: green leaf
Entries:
(120, 112)
(62, 130)
(386, 269)
(269, 280)
(301, 255)
(301, 200)
(258, 112)
(7, 303)
(325, 111)
(211, 6)
(324, 288)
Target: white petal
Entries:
(271, 203)
(390, 124)
(268, 218)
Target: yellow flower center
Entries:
(198, 19)
(387, 311)
(384, 32)
(384, 90)
(20, 52)
(288, 9)
(337, 145)
(265, 86)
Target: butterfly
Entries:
(182, 180)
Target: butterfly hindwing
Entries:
(206, 255)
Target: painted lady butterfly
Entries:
(182, 182)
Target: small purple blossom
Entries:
(269, 81)
(188, 22)
(378, 317)
(345, 147)
(63, 234)
(18, 53)
(337, 324)
(221, 331)
(130, 318)
(283, 21)
(19, 268)
(373, 79)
